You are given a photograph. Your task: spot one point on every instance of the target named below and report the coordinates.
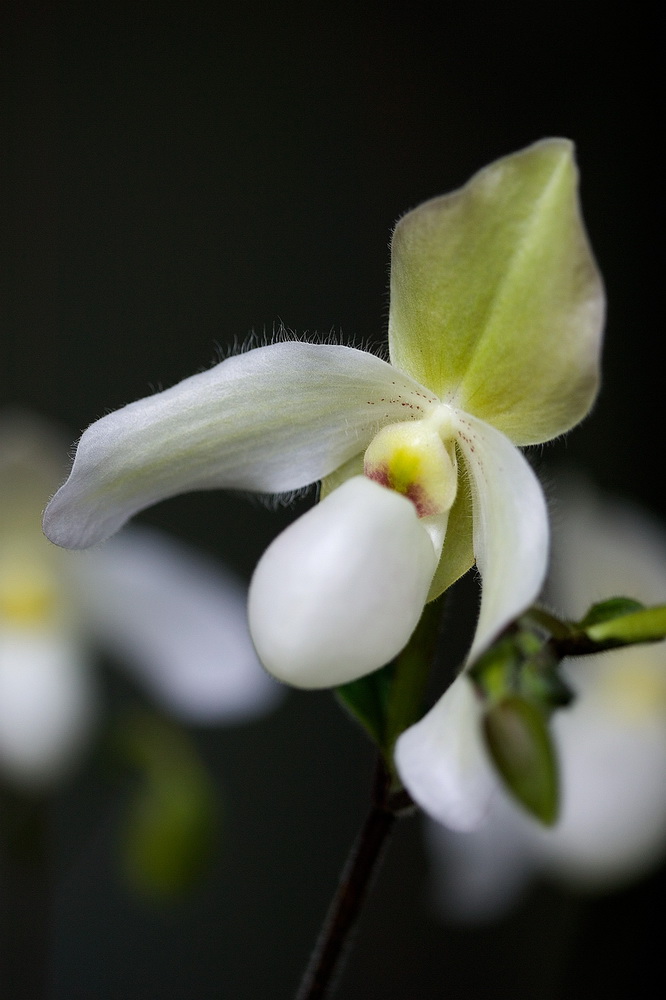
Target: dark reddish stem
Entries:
(362, 865)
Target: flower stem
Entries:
(363, 862)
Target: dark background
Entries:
(174, 178)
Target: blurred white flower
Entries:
(175, 618)
(611, 741)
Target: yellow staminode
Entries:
(412, 459)
(406, 467)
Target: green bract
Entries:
(517, 736)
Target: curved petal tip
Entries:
(443, 763)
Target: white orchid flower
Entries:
(611, 742)
(165, 611)
(494, 332)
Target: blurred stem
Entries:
(357, 876)
(25, 895)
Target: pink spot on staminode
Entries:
(379, 474)
(414, 492)
(421, 500)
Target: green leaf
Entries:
(171, 821)
(646, 625)
(518, 739)
(366, 699)
(614, 607)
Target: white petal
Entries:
(46, 705)
(510, 527)
(179, 620)
(478, 874)
(339, 593)
(272, 419)
(443, 763)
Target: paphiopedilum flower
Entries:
(494, 331)
(177, 619)
(611, 741)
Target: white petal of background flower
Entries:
(179, 621)
(339, 593)
(606, 546)
(613, 741)
(483, 871)
(273, 419)
(47, 704)
(613, 760)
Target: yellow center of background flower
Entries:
(636, 690)
(27, 596)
